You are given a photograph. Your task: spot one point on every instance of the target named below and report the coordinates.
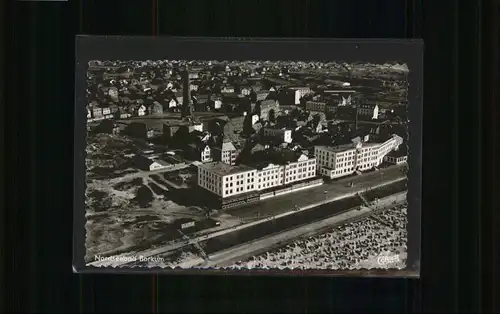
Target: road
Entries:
(280, 205)
(244, 251)
(386, 122)
(143, 174)
(226, 238)
(335, 189)
(300, 218)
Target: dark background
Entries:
(39, 111)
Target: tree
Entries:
(272, 116)
(253, 96)
(247, 125)
(144, 196)
(257, 108)
(316, 119)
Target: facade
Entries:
(147, 164)
(201, 152)
(217, 104)
(236, 185)
(106, 111)
(156, 109)
(172, 103)
(97, 112)
(396, 157)
(283, 134)
(225, 180)
(304, 168)
(227, 90)
(170, 130)
(369, 111)
(226, 153)
(316, 106)
(206, 154)
(266, 106)
(299, 93)
(245, 91)
(141, 111)
(342, 160)
(331, 108)
(276, 175)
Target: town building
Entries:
(342, 160)
(97, 113)
(225, 153)
(237, 185)
(231, 185)
(299, 92)
(316, 106)
(245, 91)
(266, 106)
(274, 175)
(368, 111)
(227, 90)
(155, 109)
(144, 130)
(397, 157)
(148, 164)
(284, 135)
(201, 151)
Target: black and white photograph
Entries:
(247, 164)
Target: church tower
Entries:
(187, 102)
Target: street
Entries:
(227, 238)
(243, 251)
(335, 189)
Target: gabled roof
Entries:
(228, 146)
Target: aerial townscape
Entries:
(246, 164)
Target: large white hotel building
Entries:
(227, 181)
(360, 155)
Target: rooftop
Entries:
(337, 149)
(402, 151)
(228, 146)
(223, 169)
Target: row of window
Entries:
(299, 177)
(239, 176)
(239, 189)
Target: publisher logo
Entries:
(385, 260)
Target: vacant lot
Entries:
(183, 178)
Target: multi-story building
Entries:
(274, 175)
(266, 106)
(396, 157)
(284, 135)
(227, 90)
(225, 180)
(225, 153)
(270, 176)
(201, 151)
(245, 91)
(235, 185)
(368, 110)
(304, 168)
(299, 93)
(316, 106)
(342, 160)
